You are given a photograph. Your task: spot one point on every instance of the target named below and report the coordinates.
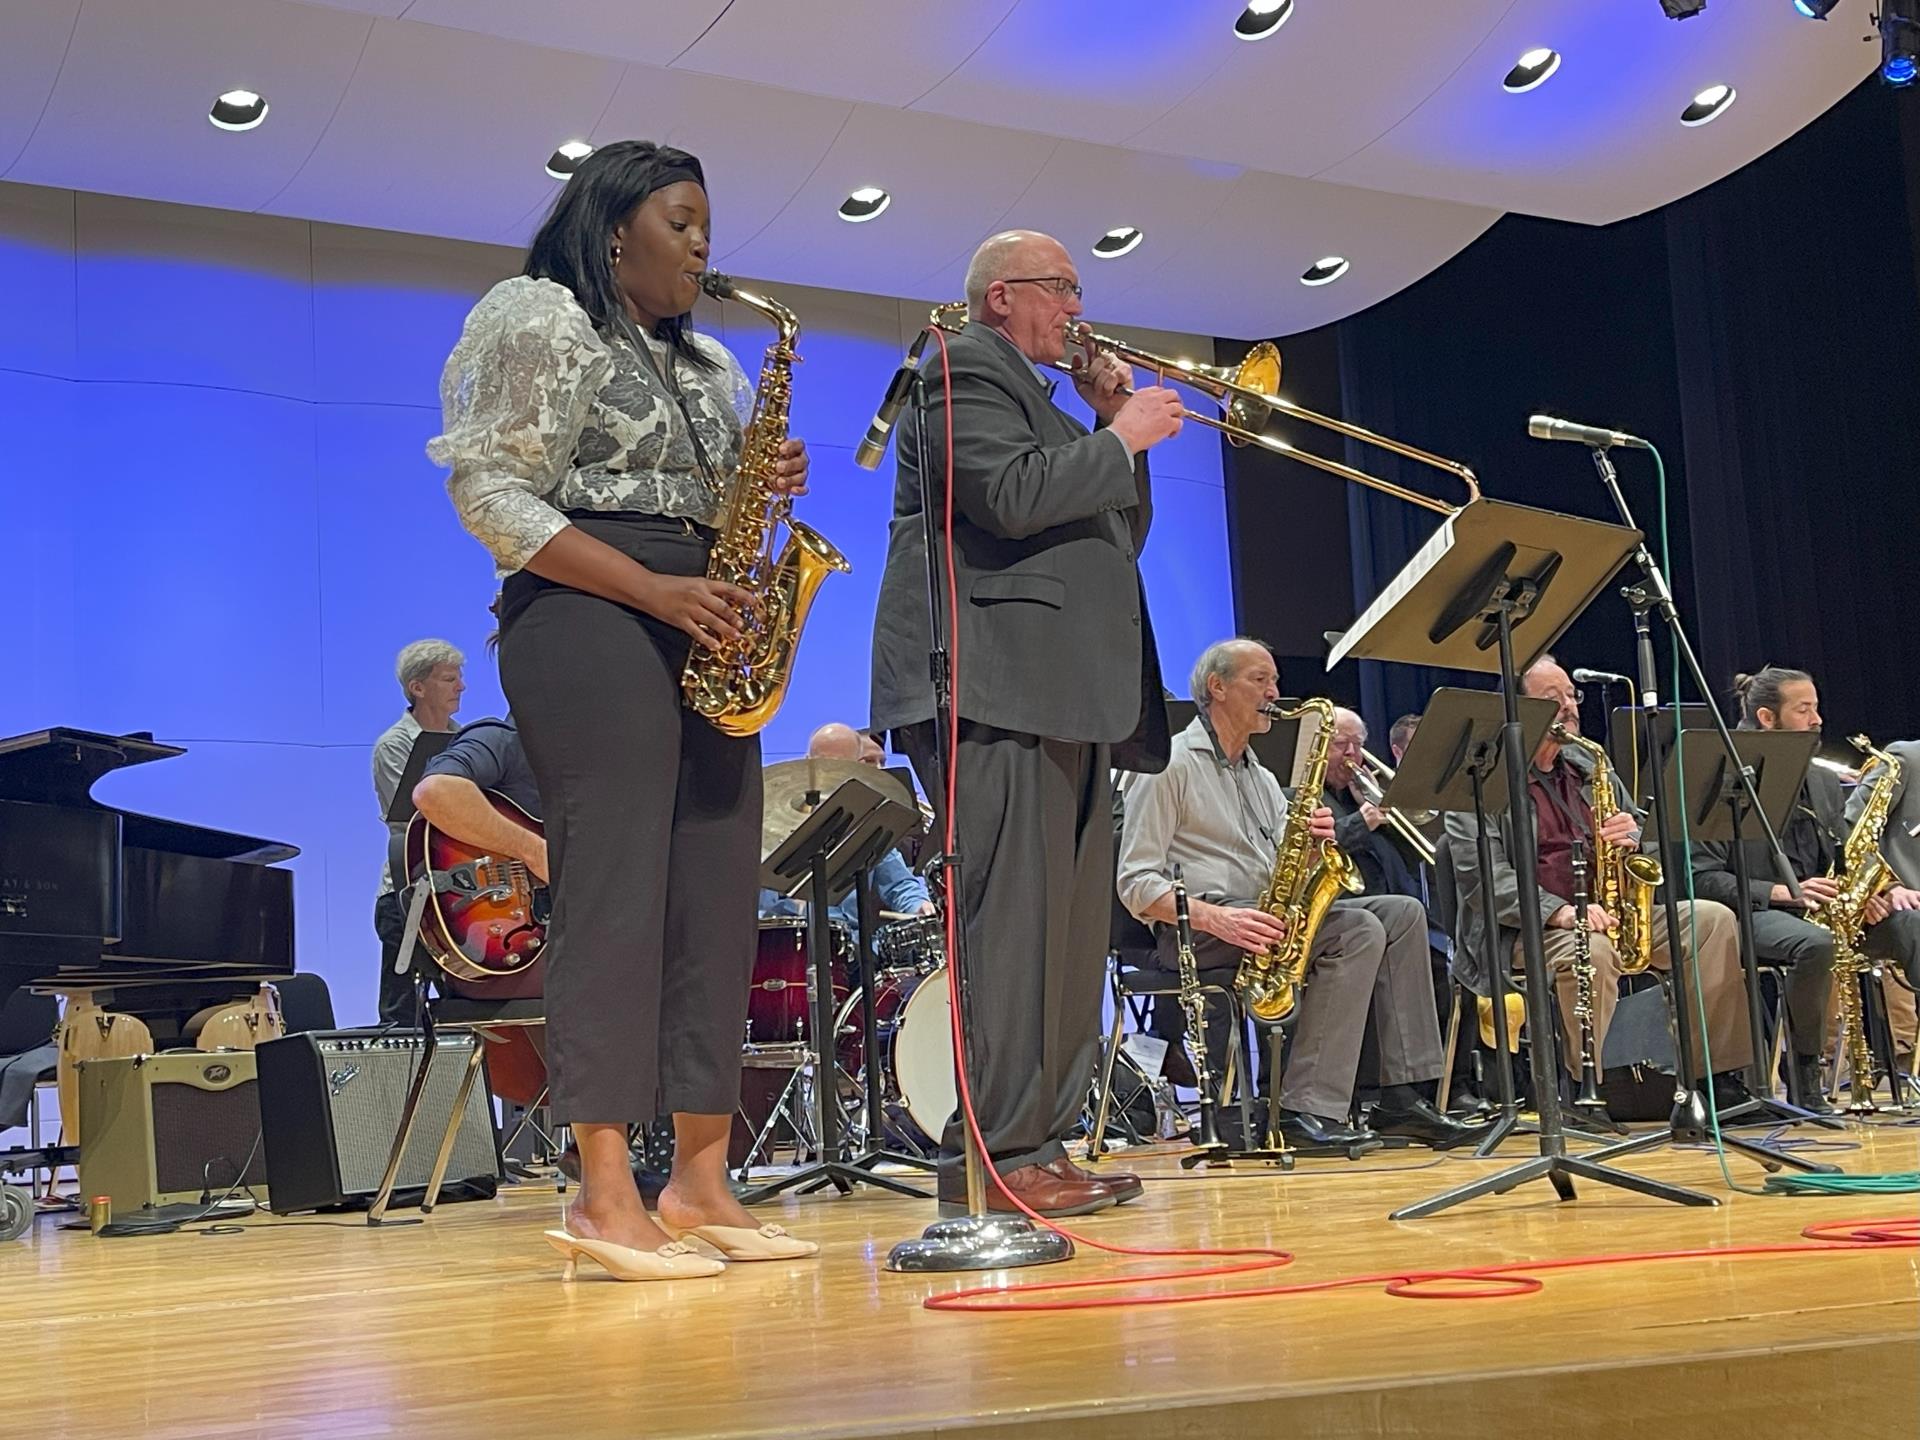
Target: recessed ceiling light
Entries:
(1262, 18)
(1710, 104)
(1532, 69)
(1121, 240)
(238, 110)
(564, 161)
(1325, 270)
(864, 203)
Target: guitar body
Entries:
(486, 916)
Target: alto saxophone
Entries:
(1862, 874)
(740, 684)
(1308, 876)
(1627, 878)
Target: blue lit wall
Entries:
(220, 525)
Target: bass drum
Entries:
(913, 1024)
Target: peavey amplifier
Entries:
(169, 1128)
(330, 1104)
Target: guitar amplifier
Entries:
(169, 1128)
(330, 1105)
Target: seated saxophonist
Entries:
(1217, 812)
(1778, 698)
(1561, 784)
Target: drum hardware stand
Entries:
(979, 1240)
(1689, 1123)
(868, 955)
(842, 836)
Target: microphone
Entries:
(1605, 677)
(873, 448)
(1546, 427)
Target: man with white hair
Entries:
(1056, 680)
(1218, 814)
(430, 676)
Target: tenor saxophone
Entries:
(740, 684)
(1627, 878)
(1862, 873)
(1308, 876)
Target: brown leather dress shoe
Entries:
(1041, 1189)
(1125, 1186)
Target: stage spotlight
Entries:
(1262, 18)
(863, 204)
(566, 159)
(1815, 9)
(238, 110)
(1899, 41)
(1682, 9)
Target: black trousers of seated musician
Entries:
(653, 839)
(1806, 949)
(1036, 839)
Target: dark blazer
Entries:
(1713, 875)
(1055, 638)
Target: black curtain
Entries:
(1765, 333)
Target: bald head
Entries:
(842, 742)
(1343, 751)
(1010, 253)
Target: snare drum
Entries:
(918, 944)
(777, 1003)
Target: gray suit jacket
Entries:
(1055, 638)
(1897, 847)
(1713, 873)
(1470, 954)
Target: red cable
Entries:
(1268, 1258)
(1473, 1282)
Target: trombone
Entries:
(1248, 393)
(1370, 780)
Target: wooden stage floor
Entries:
(461, 1327)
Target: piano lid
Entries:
(60, 767)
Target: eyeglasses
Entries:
(1059, 285)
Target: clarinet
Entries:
(1195, 1006)
(1589, 1094)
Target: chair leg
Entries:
(1452, 1048)
(453, 1125)
(1098, 1138)
(409, 1112)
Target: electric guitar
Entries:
(486, 915)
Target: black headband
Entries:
(689, 169)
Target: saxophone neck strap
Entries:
(670, 381)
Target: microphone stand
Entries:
(1689, 1123)
(978, 1240)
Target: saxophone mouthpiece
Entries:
(719, 286)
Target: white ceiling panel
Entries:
(128, 115)
(887, 52)
(1602, 139)
(447, 132)
(651, 32)
(756, 145)
(949, 181)
(1095, 70)
(1333, 80)
(35, 41)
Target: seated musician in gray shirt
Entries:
(1218, 813)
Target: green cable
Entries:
(1895, 1183)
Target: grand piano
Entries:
(164, 917)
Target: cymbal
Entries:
(794, 787)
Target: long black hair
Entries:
(1761, 691)
(575, 244)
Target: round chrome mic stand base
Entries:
(980, 1242)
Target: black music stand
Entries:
(868, 955)
(845, 834)
(1707, 786)
(1495, 573)
(1453, 763)
(1636, 734)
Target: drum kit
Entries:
(913, 1066)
